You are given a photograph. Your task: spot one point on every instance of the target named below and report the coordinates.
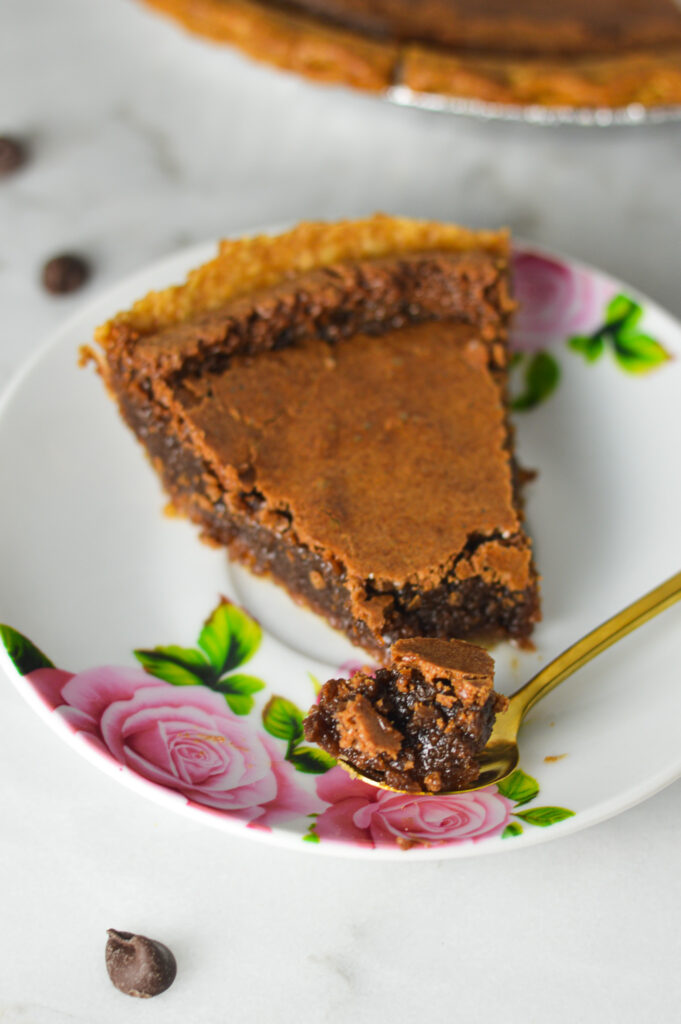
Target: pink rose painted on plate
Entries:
(184, 738)
(363, 814)
(554, 300)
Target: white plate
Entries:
(92, 569)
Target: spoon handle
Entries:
(598, 640)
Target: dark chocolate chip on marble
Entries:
(65, 273)
(139, 966)
(12, 154)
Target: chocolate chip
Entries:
(139, 966)
(65, 273)
(12, 154)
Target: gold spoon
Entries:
(501, 755)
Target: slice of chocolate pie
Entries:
(577, 53)
(330, 405)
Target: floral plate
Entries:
(187, 678)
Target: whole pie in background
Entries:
(577, 53)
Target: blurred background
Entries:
(144, 139)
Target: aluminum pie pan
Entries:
(536, 114)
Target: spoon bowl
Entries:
(501, 754)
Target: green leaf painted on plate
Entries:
(229, 637)
(541, 379)
(590, 346)
(512, 829)
(623, 310)
(638, 353)
(181, 666)
(283, 719)
(311, 760)
(519, 787)
(634, 351)
(317, 686)
(311, 834)
(238, 690)
(25, 656)
(240, 704)
(239, 683)
(544, 816)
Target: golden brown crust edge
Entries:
(247, 265)
(613, 82)
(340, 56)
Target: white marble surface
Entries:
(143, 140)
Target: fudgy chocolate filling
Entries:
(416, 725)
